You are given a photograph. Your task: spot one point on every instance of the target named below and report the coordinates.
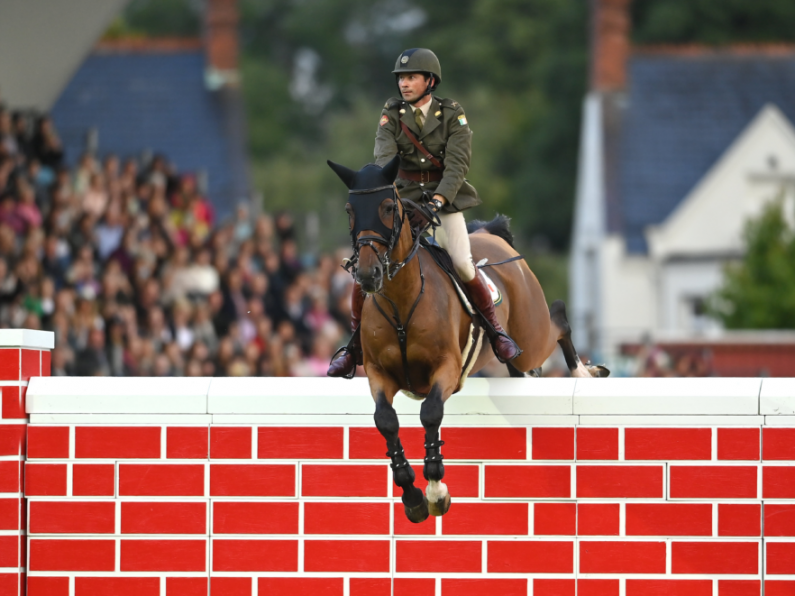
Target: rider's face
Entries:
(412, 85)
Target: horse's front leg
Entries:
(386, 421)
(431, 415)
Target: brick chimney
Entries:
(221, 43)
(610, 27)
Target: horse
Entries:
(415, 327)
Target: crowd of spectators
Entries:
(124, 260)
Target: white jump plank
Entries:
(667, 396)
(777, 397)
(111, 395)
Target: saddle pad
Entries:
(496, 295)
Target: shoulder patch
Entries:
(462, 120)
(384, 120)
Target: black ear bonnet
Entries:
(367, 188)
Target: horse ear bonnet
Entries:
(370, 176)
(346, 175)
(390, 170)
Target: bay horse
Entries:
(415, 327)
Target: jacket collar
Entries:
(408, 118)
(431, 120)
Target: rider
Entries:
(440, 127)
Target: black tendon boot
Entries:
(415, 504)
(504, 347)
(344, 362)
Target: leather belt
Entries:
(422, 176)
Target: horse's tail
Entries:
(499, 226)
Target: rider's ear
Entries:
(390, 170)
(346, 175)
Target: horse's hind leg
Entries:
(515, 372)
(557, 313)
(386, 421)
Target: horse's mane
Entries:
(499, 226)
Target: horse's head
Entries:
(375, 216)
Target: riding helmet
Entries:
(419, 60)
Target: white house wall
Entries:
(711, 219)
(681, 283)
(628, 296)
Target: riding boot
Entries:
(504, 347)
(344, 365)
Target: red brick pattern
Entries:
(17, 366)
(542, 510)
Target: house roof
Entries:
(683, 109)
(155, 99)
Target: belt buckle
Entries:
(425, 177)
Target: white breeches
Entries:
(452, 236)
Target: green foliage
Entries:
(759, 291)
(713, 22)
(164, 18)
(518, 67)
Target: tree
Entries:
(759, 291)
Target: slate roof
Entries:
(681, 113)
(155, 101)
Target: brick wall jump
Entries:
(267, 493)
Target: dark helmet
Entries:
(419, 60)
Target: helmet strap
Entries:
(428, 89)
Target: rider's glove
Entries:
(421, 216)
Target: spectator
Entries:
(126, 264)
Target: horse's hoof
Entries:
(438, 497)
(598, 371)
(418, 513)
(440, 506)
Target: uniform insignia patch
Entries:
(439, 113)
(402, 111)
(462, 120)
(384, 120)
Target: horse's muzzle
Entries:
(371, 279)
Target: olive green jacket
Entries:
(445, 134)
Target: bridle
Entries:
(388, 237)
(382, 234)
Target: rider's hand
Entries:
(419, 218)
(437, 202)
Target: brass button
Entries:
(422, 160)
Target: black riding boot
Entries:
(344, 365)
(504, 347)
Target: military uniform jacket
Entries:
(445, 134)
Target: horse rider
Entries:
(434, 141)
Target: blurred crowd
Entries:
(124, 260)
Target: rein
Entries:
(391, 269)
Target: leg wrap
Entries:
(401, 470)
(431, 414)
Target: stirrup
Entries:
(345, 350)
(493, 338)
